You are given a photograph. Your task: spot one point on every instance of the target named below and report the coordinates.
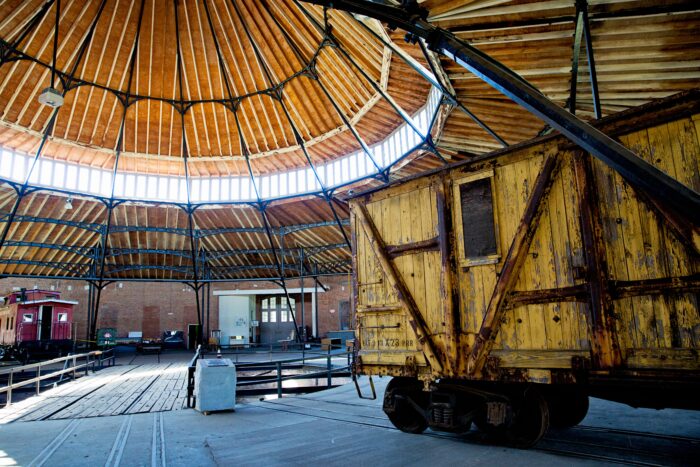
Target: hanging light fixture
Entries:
(69, 203)
(51, 96)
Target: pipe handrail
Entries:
(15, 369)
(41, 377)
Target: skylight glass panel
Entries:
(83, 178)
(6, 164)
(394, 148)
(71, 177)
(225, 190)
(310, 179)
(345, 169)
(59, 175)
(119, 185)
(163, 188)
(337, 180)
(274, 185)
(369, 165)
(34, 176)
(95, 180)
(292, 182)
(384, 149)
(245, 188)
(215, 190)
(284, 183)
(326, 173)
(255, 188)
(265, 191)
(141, 186)
(195, 189)
(182, 190)
(173, 188)
(151, 187)
(353, 161)
(19, 167)
(414, 139)
(130, 190)
(106, 185)
(45, 168)
(423, 120)
(405, 131)
(205, 194)
(301, 181)
(236, 188)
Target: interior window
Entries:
(479, 231)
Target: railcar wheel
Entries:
(530, 420)
(402, 414)
(567, 409)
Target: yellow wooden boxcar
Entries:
(505, 290)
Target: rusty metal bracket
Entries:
(359, 391)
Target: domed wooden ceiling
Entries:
(238, 77)
(149, 82)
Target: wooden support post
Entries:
(433, 354)
(517, 253)
(448, 291)
(605, 350)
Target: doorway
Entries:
(234, 319)
(276, 321)
(192, 333)
(45, 316)
(344, 315)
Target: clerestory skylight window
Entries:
(97, 181)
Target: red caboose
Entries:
(36, 320)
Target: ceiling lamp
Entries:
(51, 97)
(69, 203)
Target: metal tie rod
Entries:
(634, 169)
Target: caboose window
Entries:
(62, 317)
(475, 218)
(27, 318)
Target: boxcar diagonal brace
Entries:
(515, 258)
(413, 19)
(420, 327)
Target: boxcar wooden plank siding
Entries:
(548, 321)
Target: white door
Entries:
(234, 319)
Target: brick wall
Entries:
(155, 307)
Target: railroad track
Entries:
(609, 445)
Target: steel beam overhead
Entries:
(635, 170)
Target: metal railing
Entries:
(328, 370)
(71, 364)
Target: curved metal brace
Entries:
(635, 170)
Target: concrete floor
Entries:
(334, 427)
